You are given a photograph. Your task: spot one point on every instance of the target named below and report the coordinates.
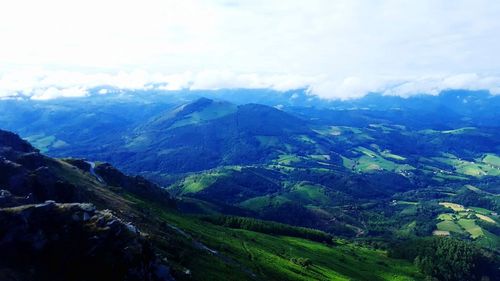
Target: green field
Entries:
(197, 182)
(453, 206)
(477, 168)
(274, 257)
(482, 211)
(45, 143)
(446, 217)
(492, 159)
(465, 220)
(388, 154)
(370, 161)
(485, 218)
(308, 193)
(471, 227)
(288, 159)
(449, 226)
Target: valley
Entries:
(295, 193)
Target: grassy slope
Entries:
(471, 227)
(492, 159)
(309, 194)
(268, 257)
(449, 226)
(170, 243)
(196, 183)
(213, 111)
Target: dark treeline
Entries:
(269, 227)
(471, 198)
(448, 259)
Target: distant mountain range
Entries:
(122, 126)
(265, 160)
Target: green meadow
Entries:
(264, 256)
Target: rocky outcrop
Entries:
(9, 200)
(54, 242)
(25, 173)
(28, 179)
(12, 141)
(5, 196)
(79, 163)
(134, 184)
(43, 240)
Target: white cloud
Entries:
(52, 93)
(44, 85)
(340, 48)
(52, 84)
(434, 85)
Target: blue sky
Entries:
(337, 49)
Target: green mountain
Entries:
(206, 134)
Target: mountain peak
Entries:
(198, 111)
(193, 106)
(203, 100)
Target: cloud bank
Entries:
(335, 48)
(44, 85)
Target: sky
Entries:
(333, 48)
